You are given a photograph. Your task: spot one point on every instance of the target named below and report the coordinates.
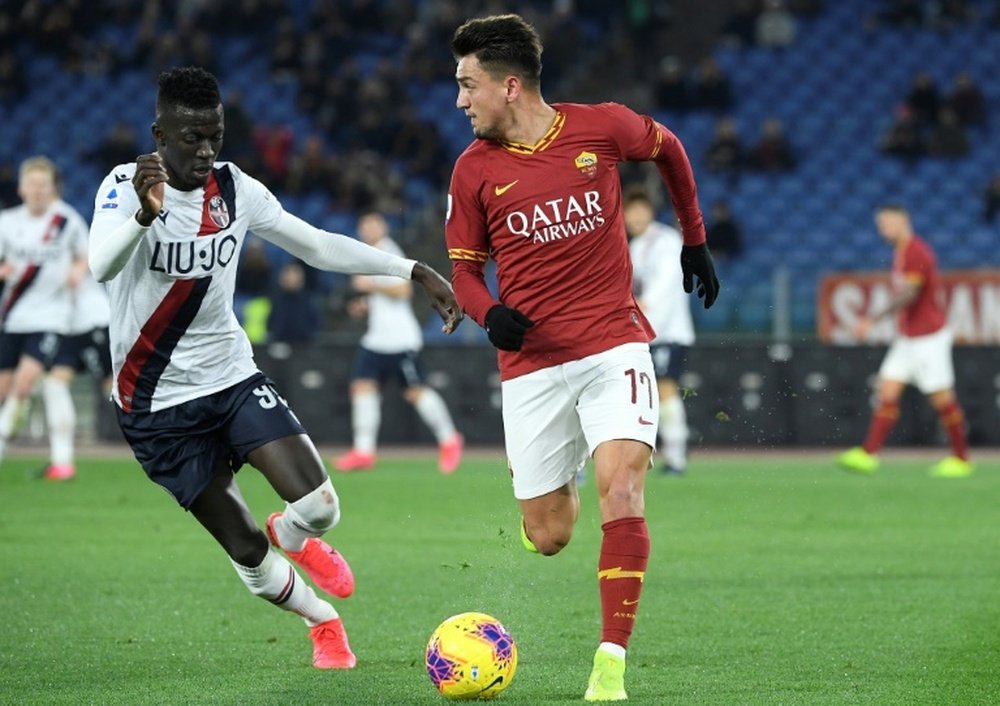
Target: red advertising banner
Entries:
(972, 301)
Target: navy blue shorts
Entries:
(668, 360)
(180, 447)
(405, 367)
(89, 352)
(43, 347)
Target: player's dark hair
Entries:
(895, 207)
(503, 44)
(189, 86)
(637, 193)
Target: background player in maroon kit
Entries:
(539, 192)
(921, 355)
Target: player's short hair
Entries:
(190, 87)
(637, 193)
(41, 163)
(893, 207)
(503, 44)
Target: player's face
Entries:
(37, 188)
(638, 216)
(891, 225)
(372, 228)
(483, 98)
(188, 140)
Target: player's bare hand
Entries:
(150, 176)
(442, 297)
(861, 327)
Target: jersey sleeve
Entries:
(79, 234)
(917, 265)
(263, 209)
(115, 202)
(467, 240)
(641, 138)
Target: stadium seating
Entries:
(835, 90)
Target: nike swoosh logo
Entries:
(644, 422)
(501, 190)
(626, 602)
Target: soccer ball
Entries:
(471, 656)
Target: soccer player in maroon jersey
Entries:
(539, 192)
(921, 354)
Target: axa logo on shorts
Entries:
(557, 219)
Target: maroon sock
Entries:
(953, 421)
(882, 423)
(624, 553)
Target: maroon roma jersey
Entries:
(550, 216)
(915, 263)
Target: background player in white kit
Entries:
(390, 349)
(190, 400)
(43, 245)
(657, 281)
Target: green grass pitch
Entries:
(773, 581)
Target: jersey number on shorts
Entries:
(268, 398)
(640, 380)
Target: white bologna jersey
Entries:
(90, 306)
(40, 250)
(392, 327)
(174, 334)
(659, 282)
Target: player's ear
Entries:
(513, 86)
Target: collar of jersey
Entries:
(547, 139)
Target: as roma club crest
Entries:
(218, 211)
(586, 162)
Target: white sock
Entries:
(276, 581)
(674, 432)
(366, 413)
(312, 515)
(434, 412)
(8, 416)
(612, 648)
(61, 418)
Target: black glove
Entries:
(696, 261)
(506, 327)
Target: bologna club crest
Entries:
(218, 211)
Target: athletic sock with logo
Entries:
(276, 581)
(621, 569)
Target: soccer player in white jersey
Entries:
(657, 280)
(43, 245)
(390, 348)
(190, 400)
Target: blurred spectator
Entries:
(294, 316)
(725, 236)
(309, 169)
(740, 28)
(671, 88)
(923, 100)
(967, 100)
(8, 185)
(239, 140)
(274, 144)
(419, 148)
(946, 14)
(119, 147)
(725, 152)
(903, 138)
(991, 199)
(13, 84)
(712, 90)
(253, 285)
(948, 138)
(285, 51)
(901, 13)
(772, 153)
(775, 26)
